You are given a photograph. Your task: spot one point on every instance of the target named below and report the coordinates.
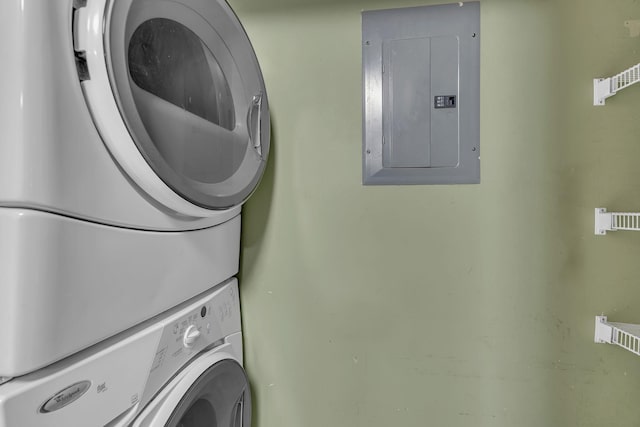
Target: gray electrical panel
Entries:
(421, 95)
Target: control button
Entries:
(191, 335)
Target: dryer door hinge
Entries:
(81, 65)
(80, 55)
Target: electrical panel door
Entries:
(421, 70)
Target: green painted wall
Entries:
(445, 306)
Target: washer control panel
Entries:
(195, 328)
(202, 324)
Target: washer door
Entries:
(177, 95)
(213, 391)
(219, 397)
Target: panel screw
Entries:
(473, 35)
(367, 42)
(368, 151)
(473, 149)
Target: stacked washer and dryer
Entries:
(132, 133)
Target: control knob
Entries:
(190, 337)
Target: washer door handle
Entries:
(238, 413)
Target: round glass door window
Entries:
(191, 93)
(220, 397)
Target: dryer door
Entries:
(177, 95)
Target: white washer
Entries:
(132, 132)
(182, 368)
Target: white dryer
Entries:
(132, 132)
(183, 368)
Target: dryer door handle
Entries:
(254, 122)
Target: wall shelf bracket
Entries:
(604, 331)
(602, 221)
(604, 88)
(613, 221)
(625, 335)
